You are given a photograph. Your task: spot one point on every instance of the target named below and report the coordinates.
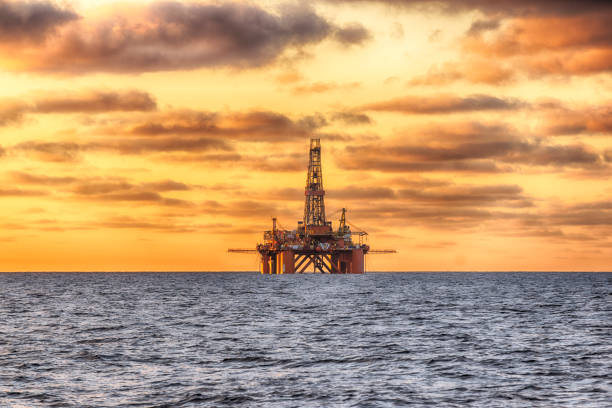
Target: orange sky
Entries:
(468, 135)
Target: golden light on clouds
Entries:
(469, 135)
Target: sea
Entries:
(249, 340)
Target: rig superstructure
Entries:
(314, 243)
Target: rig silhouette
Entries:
(314, 242)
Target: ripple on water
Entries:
(393, 339)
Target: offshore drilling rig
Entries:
(314, 242)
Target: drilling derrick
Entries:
(314, 205)
(314, 243)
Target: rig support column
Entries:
(265, 264)
(287, 263)
(357, 261)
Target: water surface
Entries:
(247, 340)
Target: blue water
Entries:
(247, 340)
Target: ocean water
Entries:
(247, 340)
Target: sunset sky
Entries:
(468, 135)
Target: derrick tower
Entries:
(314, 203)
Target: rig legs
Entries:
(290, 262)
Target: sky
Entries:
(468, 135)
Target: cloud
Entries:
(291, 162)
(352, 118)
(586, 62)
(173, 35)
(122, 190)
(561, 121)
(17, 192)
(524, 36)
(502, 7)
(253, 126)
(529, 39)
(577, 155)
(473, 196)
(11, 112)
(28, 178)
(545, 45)
(445, 103)
(31, 20)
(585, 214)
(95, 102)
(480, 26)
(352, 34)
(50, 151)
(475, 70)
(467, 147)
(70, 152)
(167, 185)
(160, 225)
(447, 217)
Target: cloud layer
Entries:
(168, 35)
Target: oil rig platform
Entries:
(314, 244)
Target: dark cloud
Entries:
(561, 155)
(31, 20)
(142, 196)
(14, 111)
(398, 164)
(502, 7)
(2, 151)
(352, 118)
(469, 147)
(479, 26)
(291, 162)
(121, 190)
(582, 217)
(254, 126)
(173, 35)
(444, 103)
(167, 185)
(50, 151)
(352, 34)
(95, 102)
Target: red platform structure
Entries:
(314, 246)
